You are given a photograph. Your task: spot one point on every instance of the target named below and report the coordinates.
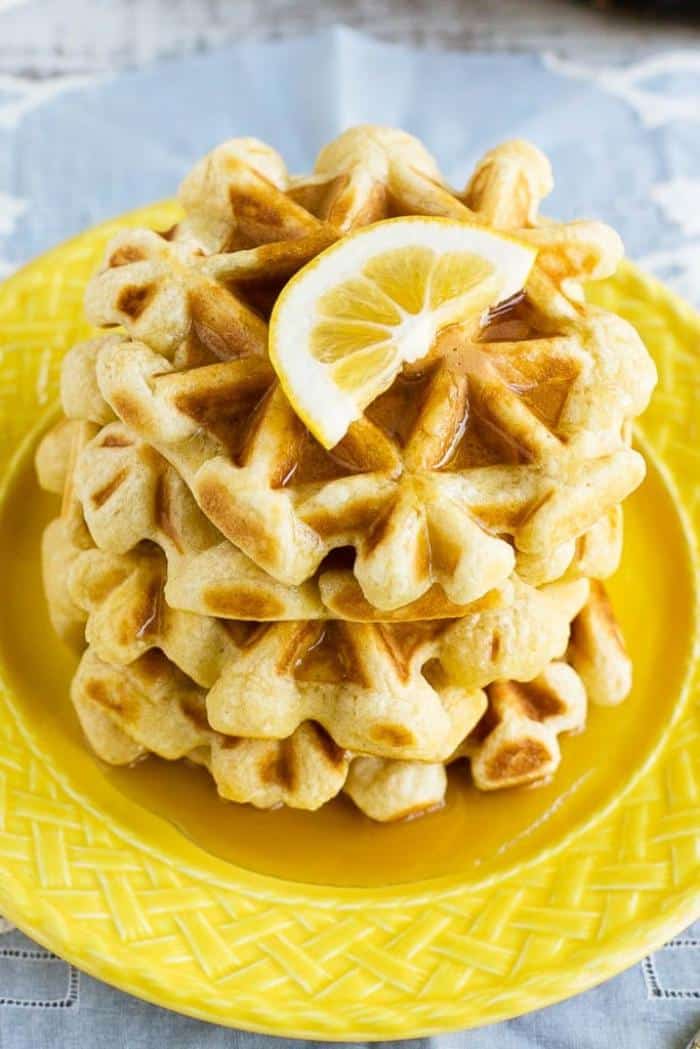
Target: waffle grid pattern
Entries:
(276, 956)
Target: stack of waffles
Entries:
(307, 621)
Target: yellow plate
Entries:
(328, 926)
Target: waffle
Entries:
(129, 494)
(517, 741)
(149, 706)
(352, 678)
(409, 691)
(509, 447)
(396, 690)
(147, 678)
(515, 744)
(402, 691)
(597, 650)
(412, 531)
(305, 622)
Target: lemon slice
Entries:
(345, 325)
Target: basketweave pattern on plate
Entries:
(268, 954)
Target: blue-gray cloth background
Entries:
(625, 146)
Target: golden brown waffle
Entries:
(349, 602)
(126, 615)
(370, 173)
(511, 445)
(133, 697)
(303, 621)
(517, 740)
(597, 650)
(515, 744)
(149, 706)
(403, 691)
(354, 679)
(396, 691)
(412, 529)
(129, 494)
(404, 719)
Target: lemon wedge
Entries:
(346, 324)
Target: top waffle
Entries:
(497, 456)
